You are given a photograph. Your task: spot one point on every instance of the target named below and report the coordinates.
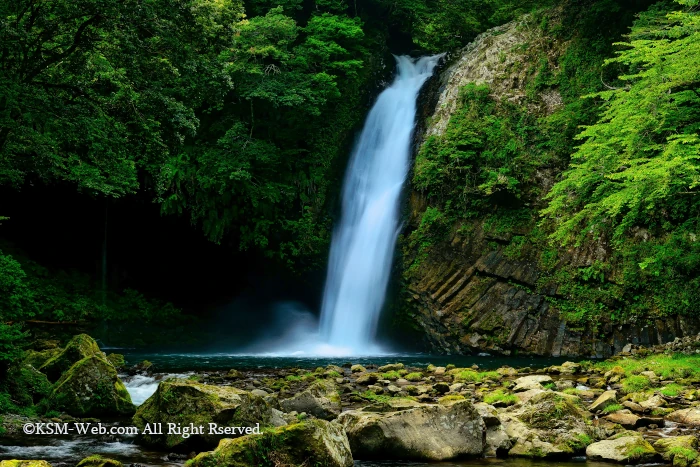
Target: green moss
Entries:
(413, 377)
(302, 443)
(78, 348)
(116, 359)
(98, 461)
(672, 390)
(635, 383)
(500, 396)
(391, 375)
(682, 456)
(446, 400)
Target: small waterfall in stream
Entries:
(364, 241)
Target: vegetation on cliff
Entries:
(608, 171)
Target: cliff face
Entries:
(470, 292)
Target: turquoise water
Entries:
(174, 362)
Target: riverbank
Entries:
(639, 407)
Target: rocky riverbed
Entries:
(637, 408)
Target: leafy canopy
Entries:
(639, 165)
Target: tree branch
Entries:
(74, 46)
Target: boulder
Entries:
(652, 403)
(391, 367)
(357, 369)
(186, 402)
(604, 400)
(498, 443)
(536, 448)
(78, 348)
(37, 358)
(570, 368)
(488, 414)
(690, 416)
(117, 360)
(312, 442)
(367, 378)
(26, 385)
(628, 447)
(507, 371)
(625, 418)
(547, 425)
(679, 450)
(91, 387)
(526, 383)
(321, 400)
(426, 432)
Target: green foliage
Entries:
(634, 178)
(11, 341)
(258, 167)
(94, 91)
(440, 25)
(482, 155)
(612, 408)
(30, 291)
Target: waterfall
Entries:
(363, 243)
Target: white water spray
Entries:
(363, 244)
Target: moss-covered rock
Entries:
(116, 359)
(26, 385)
(628, 447)
(321, 400)
(37, 358)
(682, 451)
(99, 461)
(547, 425)
(24, 463)
(312, 443)
(91, 387)
(426, 432)
(78, 348)
(186, 402)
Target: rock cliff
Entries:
(470, 293)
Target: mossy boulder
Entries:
(24, 463)
(426, 432)
(547, 425)
(682, 451)
(99, 461)
(628, 447)
(186, 402)
(321, 400)
(37, 358)
(526, 383)
(91, 387)
(117, 360)
(26, 385)
(312, 443)
(78, 348)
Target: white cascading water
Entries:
(363, 244)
